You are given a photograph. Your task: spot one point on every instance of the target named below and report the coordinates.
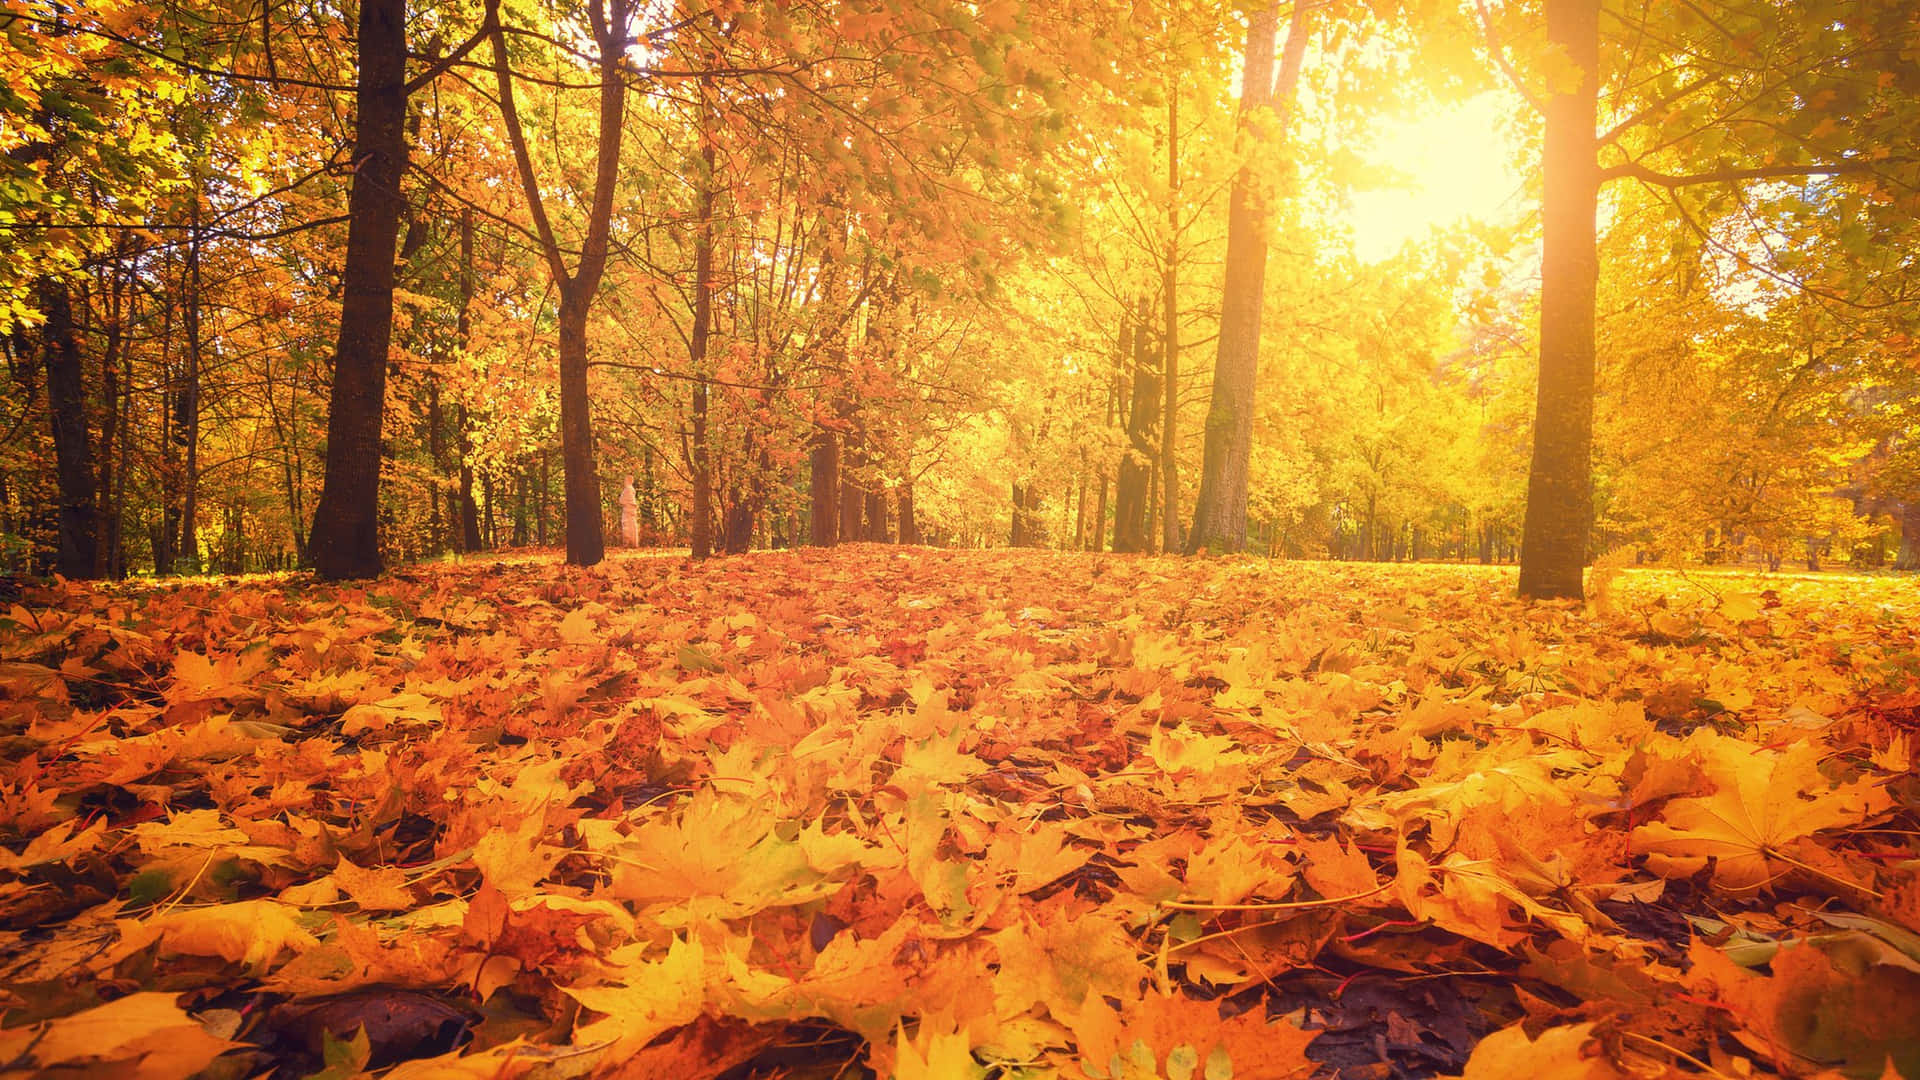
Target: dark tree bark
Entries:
(188, 411)
(1553, 546)
(345, 541)
(109, 561)
(702, 463)
(824, 489)
(465, 510)
(909, 532)
(853, 493)
(1220, 513)
(586, 538)
(1131, 510)
(72, 442)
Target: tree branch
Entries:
(1636, 171)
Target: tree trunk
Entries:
(702, 463)
(345, 541)
(189, 410)
(1170, 335)
(702, 530)
(909, 528)
(107, 558)
(1220, 514)
(580, 480)
(1130, 503)
(852, 495)
(1909, 555)
(580, 483)
(72, 443)
(1553, 546)
(465, 509)
(824, 488)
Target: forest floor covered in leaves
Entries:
(947, 815)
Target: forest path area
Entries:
(960, 814)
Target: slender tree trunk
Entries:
(702, 463)
(117, 522)
(586, 539)
(72, 443)
(437, 457)
(466, 510)
(164, 534)
(702, 538)
(1220, 514)
(345, 541)
(852, 495)
(107, 561)
(1553, 546)
(1080, 509)
(1170, 334)
(189, 409)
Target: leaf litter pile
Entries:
(952, 815)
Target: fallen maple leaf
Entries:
(251, 933)
(1764, 801)
(144, 1036)
(1561, 1053)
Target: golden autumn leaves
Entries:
(941, 813)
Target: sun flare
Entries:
(1449, 164)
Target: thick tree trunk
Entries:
(1220, 514)
(72, 443)
(345, 541)
(1131, 511)
(469, 508)
(580, 483)
(1909, 556)
(1553, 547)
(909, 532)
(824, 489)
(852, 493)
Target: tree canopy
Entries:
(346, 287)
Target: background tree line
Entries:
(338, 285)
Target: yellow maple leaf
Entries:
(1034, 858)
(249, 932)
(650, 997)
(142, 1036)
(1764, 801)
(1059, 961)
(938, 1049)
(513, 860)
(1558, 1053)
(374, 889)
(55, 845)
(382, 714)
